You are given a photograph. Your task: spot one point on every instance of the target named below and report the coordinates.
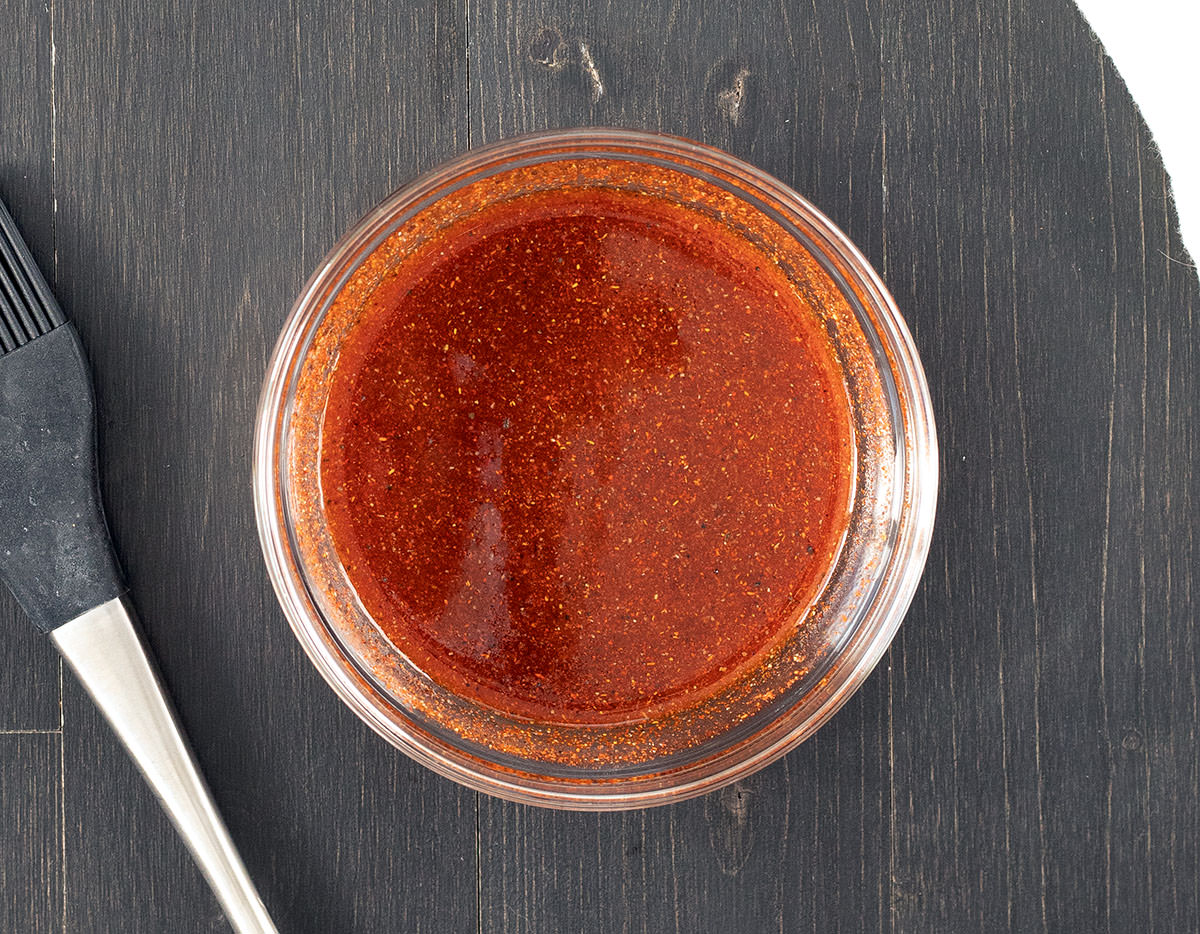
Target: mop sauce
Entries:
(587, 456)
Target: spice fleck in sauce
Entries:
(588, 458)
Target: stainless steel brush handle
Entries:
(105, 650)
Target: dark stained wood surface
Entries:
(1026, 756)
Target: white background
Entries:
(1155, 45)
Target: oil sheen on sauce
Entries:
(589, 458)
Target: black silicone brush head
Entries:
(55, 552)
(27, 308)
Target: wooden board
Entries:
(215, 155)
(29, 678)
(1025, 757)
(32, 882)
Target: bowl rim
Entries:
(898, 580)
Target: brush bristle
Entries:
(27, 307)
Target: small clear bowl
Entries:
(751, 723)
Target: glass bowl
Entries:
(803, 680)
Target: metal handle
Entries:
(104, 649)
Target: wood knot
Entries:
(731, 830)
(551, 50)
(732, 100)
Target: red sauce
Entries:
(588, 458)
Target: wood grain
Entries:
(31, 873)
(1025, 758)
(965, 813)
(1024, 238)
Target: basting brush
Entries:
(57, 558)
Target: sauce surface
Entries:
(588, 458)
